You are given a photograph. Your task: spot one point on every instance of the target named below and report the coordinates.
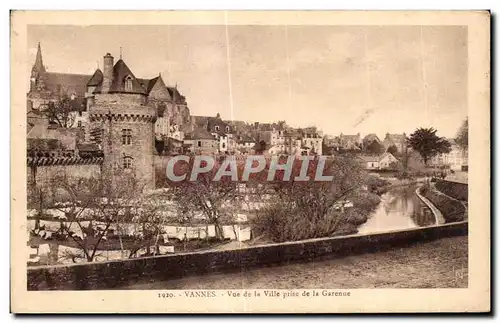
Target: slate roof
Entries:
(61, 83)
(120, 72)
(370, 158)
(96, 79)
(88, 147)
(201, 133)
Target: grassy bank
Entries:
(452, 210)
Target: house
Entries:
(456, 159)
(349, 142)
(370, 162)
(395, 140)
(379, 162)
(222, 132)
(201, 142)
(312, 141)
(387, 161)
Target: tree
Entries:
(62, 112)
(211, 198)
(374, 148)
(392, 150)
(310, 209)
(89, 209)
(462, 137)
(260, 147)
(428, 144)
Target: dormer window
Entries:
(128, 83)
(216, 128)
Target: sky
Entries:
(342, 79)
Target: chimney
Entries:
(107, 73)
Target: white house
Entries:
(383, 161)
(387, 160)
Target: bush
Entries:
(452, 210)
(456, 190)
(282, 222)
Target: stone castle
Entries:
(127, 111)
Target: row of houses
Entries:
(211, 135)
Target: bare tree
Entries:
(310, 209)
(63, 111)
(205, 195)
(90, 207)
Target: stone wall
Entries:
(114, 274)
(42, 170)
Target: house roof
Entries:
(120, 72)
(201, 133)
(96, 79)
(200, 121)
(88, 147)
(61, 83)
(246, 138)
(350, 137)
(395, 137)
(370, 158)
(43, 143)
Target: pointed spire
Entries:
(38, 66)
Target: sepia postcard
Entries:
(250, 161)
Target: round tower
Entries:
(128, 135)
(121, 110)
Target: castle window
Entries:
(79, 124)
(127, 162)
(199, 143)
(128, 83)
(126, 136)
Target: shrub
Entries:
(452, 210)
(456, 190)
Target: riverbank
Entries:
(451, 209)
(438, 264)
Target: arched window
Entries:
(127, 162)
(227, 128)
(128, 83)
(216, 128)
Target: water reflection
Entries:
(400, 208)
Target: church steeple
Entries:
(38, 66)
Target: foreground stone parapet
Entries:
(114, 274)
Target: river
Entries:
(399, 208)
